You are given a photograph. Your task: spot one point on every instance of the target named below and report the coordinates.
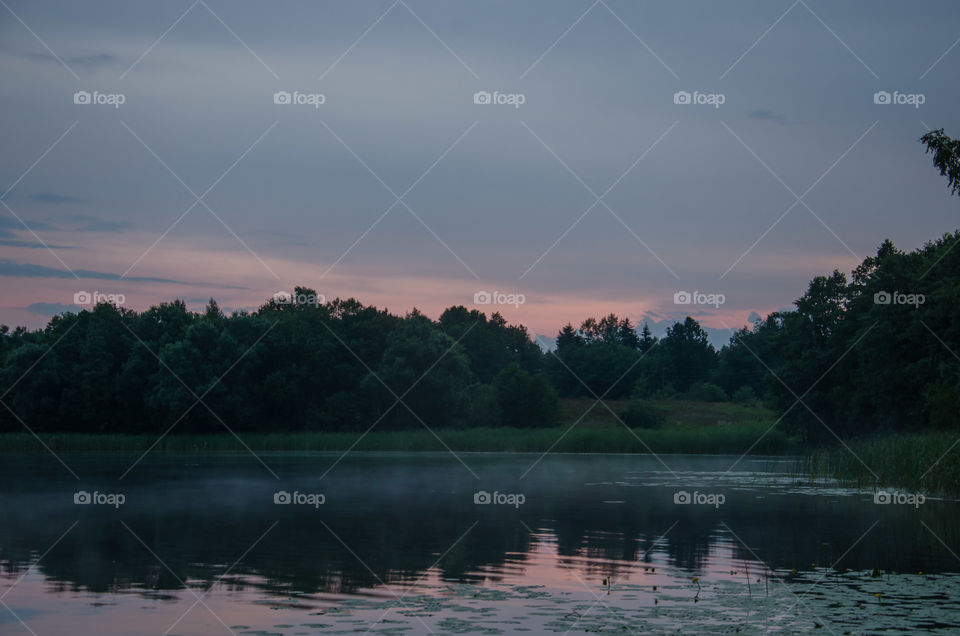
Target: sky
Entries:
(561, 159)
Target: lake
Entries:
(309, 543)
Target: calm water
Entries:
(572, 543)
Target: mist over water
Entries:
(420, 525)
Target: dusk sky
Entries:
(589, 191)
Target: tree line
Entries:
(875, 352)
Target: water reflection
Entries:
(388, 519)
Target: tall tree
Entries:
(946, 156)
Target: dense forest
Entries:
(873, 353)
(876, 352)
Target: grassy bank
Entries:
(688, 428)
(735, 439)
(928, 462)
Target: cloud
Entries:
(28, 270)
(95, 224)
(92, 61)
(52, 197)
(9, 224)
(88, 62)
(765, 114)
(32, 245)
(50, 309)
(72, 223)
